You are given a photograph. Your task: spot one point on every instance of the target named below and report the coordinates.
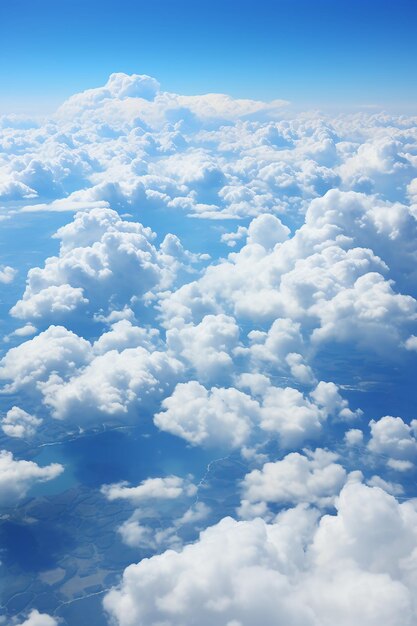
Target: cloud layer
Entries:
(233, 276)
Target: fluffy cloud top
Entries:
(102, 258)
(217, 417)
(206, 346)
(82, 381)
(287, 572)
(38, 619)
(312, 478)
(19, 423)
(230, 417)
(392, 437)
(17, 477)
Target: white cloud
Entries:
(83, 382)
(153, 497)
(123, 334)
(283, 337)
(206, 346)
(7, 274)
(56, 350)
(411, 343)
(55, 300)
(313, 477)
(267, 230)
(25, 331)
(328, 277)
(136, 534)
(38, 619)
(215, 417)
(114, 384)
(327, 395)
(354, 437)
(355, 566)
(392, 437)
(169, 487)
(102, 259)
(395, 489)
(17, 477)
(230, 417)
(19, 423)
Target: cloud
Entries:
(285, 572)
(157, 523)
(267, 230)
(326, 278)
(98, 252)
(85, 382)
(393, 438)
(313, 477)
(25, 331)
(215, 417)
(17, 477)
(136, 534)
(292, 416)
(229, 417)
(104, 262)
(170, 487)
(56, 350)
(38, 619)
(206, 347)
(7, 274)
(327, 395)
(19, 423)
(354, 437)
(114, 384)
(314, 266)
(411, 343)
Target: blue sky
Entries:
(312, 52)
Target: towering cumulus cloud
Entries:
(228, 288)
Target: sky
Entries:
(208, 313)
(321, 53)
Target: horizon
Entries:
(315, 54)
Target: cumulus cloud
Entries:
(354, 437)
(19, 423)
(313, 477)
(267, 230)
(157, 522)
(206, 346)
(114, 384)
(291, 415)
(137, 534)
(102, 258)
(328, 396)
(7, 274)
(218, 416)
(319, 278)
(56, 350)
(284, 572)
(393, 438)
(17, 477)
(230, 417)
(170, 487)
(38, 619)
(83, 382)
(411, 343)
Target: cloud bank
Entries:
(234, 275)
